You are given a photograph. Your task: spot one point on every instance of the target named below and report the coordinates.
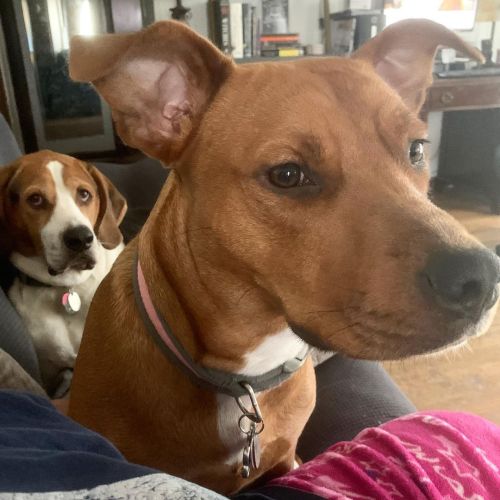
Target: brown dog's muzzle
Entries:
(463, 282)
(403, 278)
(436, 285)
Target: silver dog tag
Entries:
(245, 468)
(255, 453)
(251, 452)
(71, 302)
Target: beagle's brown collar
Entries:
(29, 281)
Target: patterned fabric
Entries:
(146, 487)
(426, 455)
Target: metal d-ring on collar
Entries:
(251, 450)
(254, 415)
(232, 384)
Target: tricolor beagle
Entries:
(59, 221)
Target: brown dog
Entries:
(297, 209)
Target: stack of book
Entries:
(234, 27)
(280, 45)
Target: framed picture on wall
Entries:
(274, 16)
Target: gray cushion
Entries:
(9, 149)
(140, 183)
(15, 339)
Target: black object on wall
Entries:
(470, 152)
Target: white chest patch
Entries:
(272, 352)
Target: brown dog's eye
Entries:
(84, 195)
(36, 200)
(416, 152)
(288, 175)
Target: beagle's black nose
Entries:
(78, 238)
(463, 281)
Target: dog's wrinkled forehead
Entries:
(326, 116)
(334, 93)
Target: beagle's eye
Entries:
(36, 200)
(84, 195)
(416, 153)
(288, 175)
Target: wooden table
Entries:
(458, 94)
(468, 94)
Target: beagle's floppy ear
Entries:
(6, 174)
(403, 55)
(112, 210)
(158, 82)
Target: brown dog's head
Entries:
(312, 178)
(54, 211)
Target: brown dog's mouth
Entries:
(378, 336)
(310, 338)
(380, 344)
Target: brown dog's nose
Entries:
(463, 281)
(78, 238)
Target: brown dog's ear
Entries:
(112, 210)
(158, 82)
(403, 55)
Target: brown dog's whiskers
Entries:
(347, 327)
(332, 311)
(250, 288)
(348, 289)
(192, 230)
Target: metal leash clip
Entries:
(251, 450)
